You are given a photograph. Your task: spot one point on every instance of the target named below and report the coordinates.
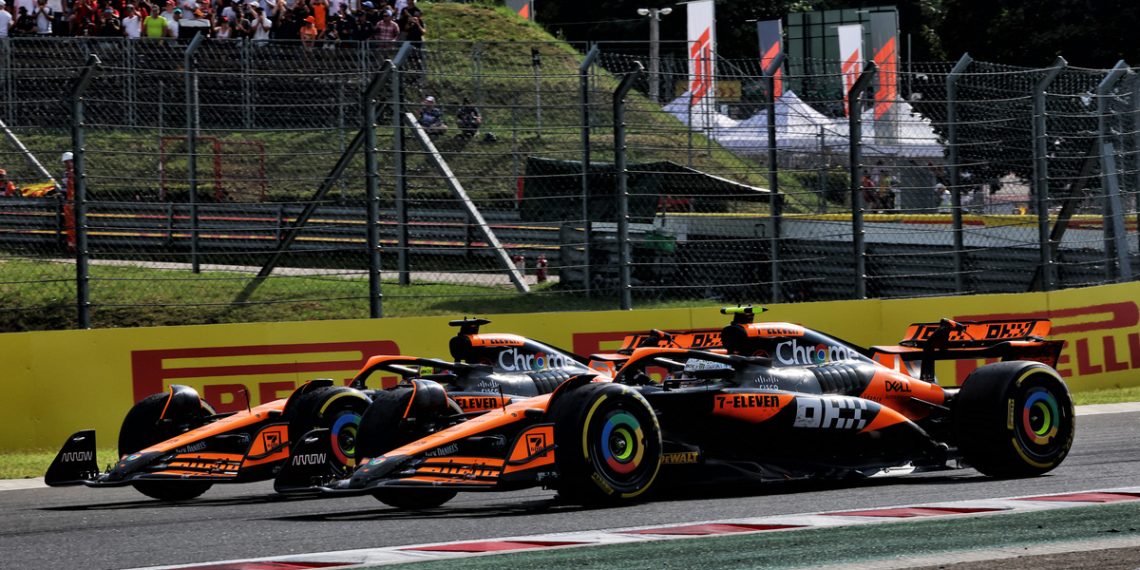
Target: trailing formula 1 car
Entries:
(781, 402)
(173, 446)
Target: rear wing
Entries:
(701, 339)
(1009, 339)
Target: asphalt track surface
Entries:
(78, 527)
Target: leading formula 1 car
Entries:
(173, 446)
(782, 402)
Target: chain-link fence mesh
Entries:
(207, 164)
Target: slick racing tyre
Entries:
(337, 409)
(382, 429)
(608, 444)
(142, 428)
(1014, 419)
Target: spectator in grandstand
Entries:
(431, 118)
(7, 188)
(319, 9)
(308, 32)
(944, 198)
(5, 20)
(286, 27)
(132, 23)
(109, 24)
(155, 26)
(386, 31)
(25, 24)
(867, 186)
(44, 18)
(469, 119)
(411, 23)
(260, 27)
(83, 18)
(225, 30)
(174, 24)
(28, 5)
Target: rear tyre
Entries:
(142, 428)
(382, 429)
(338, 409)
(608, 444)
(1014, 419)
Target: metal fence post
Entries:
(1113, 216)
(584, 96)
(79, 171)
(776, 204)
(952, 167)
(855, 128)
(1041, 171)
(1136, 149)
(626, 249)
(399, 163)
(191, 79)
(369, 103)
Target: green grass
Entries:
(34, 463)
(134, 296)
(1107, 396)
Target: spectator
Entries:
(83, 16)
(412, 25)
(44, 18)
(286, 27)
(7, 188)
(320, 12)
(29, 6)
(260, 27)
(386, 31)
(308, 31)
(867, 185)
(25, 24)
(5, 20)
(109, 24)
(174, 24)
(193, 22)
(225, 29)
(469, 119)
(944, 199)
(431, 118)
(132, 23)
(155, 26)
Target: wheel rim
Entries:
(1041, 421)
(1040, 416)
(343, 435)
(622, 442)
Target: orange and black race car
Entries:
(781, 402)
(173, 446)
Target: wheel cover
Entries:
(343, 437)
(1040, 416)
(621, 442)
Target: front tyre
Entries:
(337, 409)
(608, 444)
(1014, 419)
(145, 426)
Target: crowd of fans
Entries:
(309, 21)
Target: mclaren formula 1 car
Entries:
(781, 402)
(173, 446)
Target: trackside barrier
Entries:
(104, 371)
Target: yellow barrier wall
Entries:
(57, 382)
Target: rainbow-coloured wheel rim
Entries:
(343, 434)
(622, 442)
(1040, 417)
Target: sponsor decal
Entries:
(601, 483)
(469, 403)
(899, 386)
(747, 401)
(792, 352)
(837, 413)
(535, 442)
(271, 439)
(1100, 340)
(75, 456)
(492, 340)
(682, 458)
(133, 457)
(694, 364)
(376, 461)
(309, 459)
(199, 446)
(515, 360)
(766, 330)
(449, 449)
(228, 376)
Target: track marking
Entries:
(682, 531)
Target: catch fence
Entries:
(218, 181)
